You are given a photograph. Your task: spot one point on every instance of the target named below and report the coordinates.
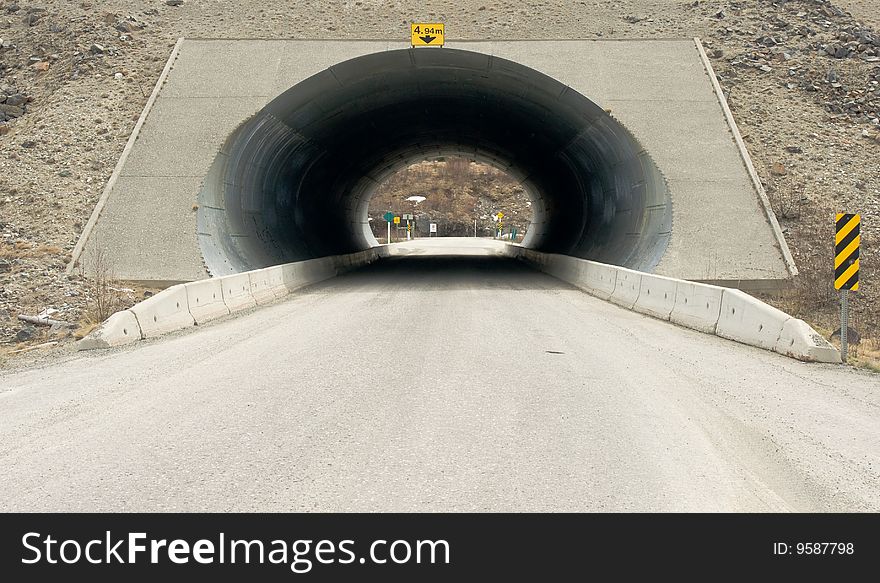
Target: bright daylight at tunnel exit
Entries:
(475, 289)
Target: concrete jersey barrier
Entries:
(205, 299)
(267, 284)
(165, 312)
(237, 292)
(749, 320)
(697, 306)
(656, 296)
(724, 312)
(186, 305)
(626, 288)
(120, 328)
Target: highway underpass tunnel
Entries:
(295, 181)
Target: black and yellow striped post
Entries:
(846, 268)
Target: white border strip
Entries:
(744, 154)
(105, 195)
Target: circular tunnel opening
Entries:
(295, 181)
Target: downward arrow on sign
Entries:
(428, 39)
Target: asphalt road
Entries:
(429, 383)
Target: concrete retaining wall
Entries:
(185, 305)
(725, 312)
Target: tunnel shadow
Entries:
(448, 272)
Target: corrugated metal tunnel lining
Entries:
(295, 181)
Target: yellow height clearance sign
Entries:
(428, 34)
(846, 251)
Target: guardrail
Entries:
(725, 312)
(195, 303)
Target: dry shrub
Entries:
(866, 354)
(457, 170)
(104, 300)
(25, 250)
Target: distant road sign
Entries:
(396, 220)
(846, 252)
(428, 34)
(407, 217)
(389, 216)
(433, 227)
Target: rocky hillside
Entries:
(457, 192)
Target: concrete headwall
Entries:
(662, 92)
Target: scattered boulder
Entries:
(852, 336)
(26, 334)
(32, 18)
(16, 99)
(11, 111)
(60, 331)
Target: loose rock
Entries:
(16, 99)
(26, 334)
(11, 111)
